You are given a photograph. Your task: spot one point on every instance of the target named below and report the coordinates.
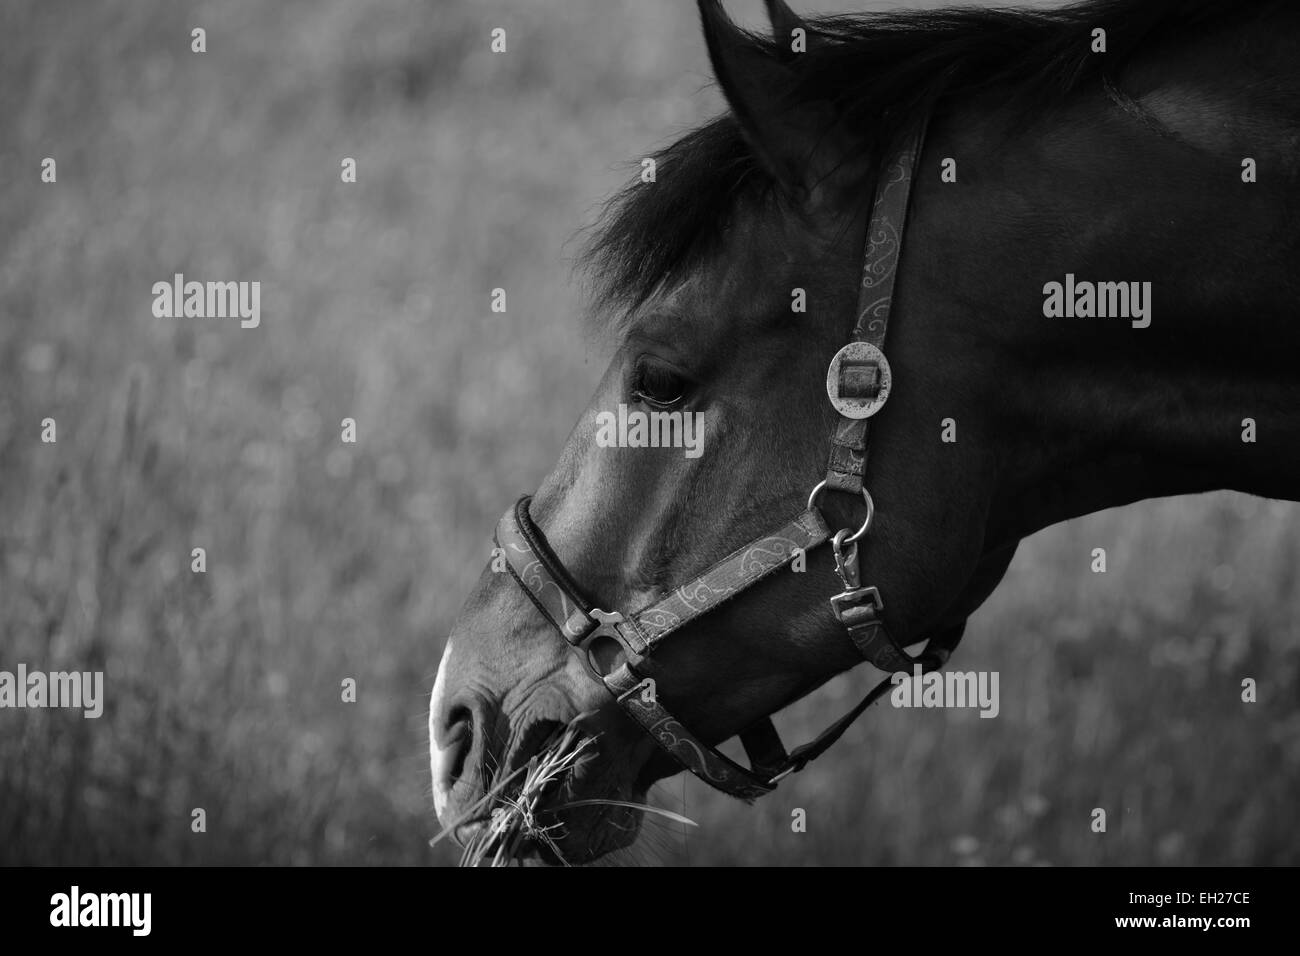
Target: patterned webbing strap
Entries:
(543, 577)
(545, 580)
(708, 763)
(735, 573)
(848, 458)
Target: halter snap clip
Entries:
(847, 606)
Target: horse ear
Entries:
(789, 138)
(784, 21)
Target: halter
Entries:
(858, 383)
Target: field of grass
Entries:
(328, 561)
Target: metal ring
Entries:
(866, 522)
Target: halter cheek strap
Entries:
(858, 384)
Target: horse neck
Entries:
(1091, 413)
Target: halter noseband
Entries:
(858, 383)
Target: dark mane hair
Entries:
(882, 71)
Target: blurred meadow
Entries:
(325, 561)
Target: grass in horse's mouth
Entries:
(515, 809)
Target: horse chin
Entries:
(588, 816)
(598, 829)
(589, 835)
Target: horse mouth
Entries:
(565, 834)
(528, 852)
(556, 801)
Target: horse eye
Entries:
(658, 386)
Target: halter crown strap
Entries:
(858, 385)
(861, 375)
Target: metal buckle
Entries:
(848, 600)
(773, 781)
(606, 626)
(794, 763)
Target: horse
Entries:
(1143, 143)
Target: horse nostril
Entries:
(456, 744)
(460, 735)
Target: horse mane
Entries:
(881, 71)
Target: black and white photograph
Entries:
(678, 434)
